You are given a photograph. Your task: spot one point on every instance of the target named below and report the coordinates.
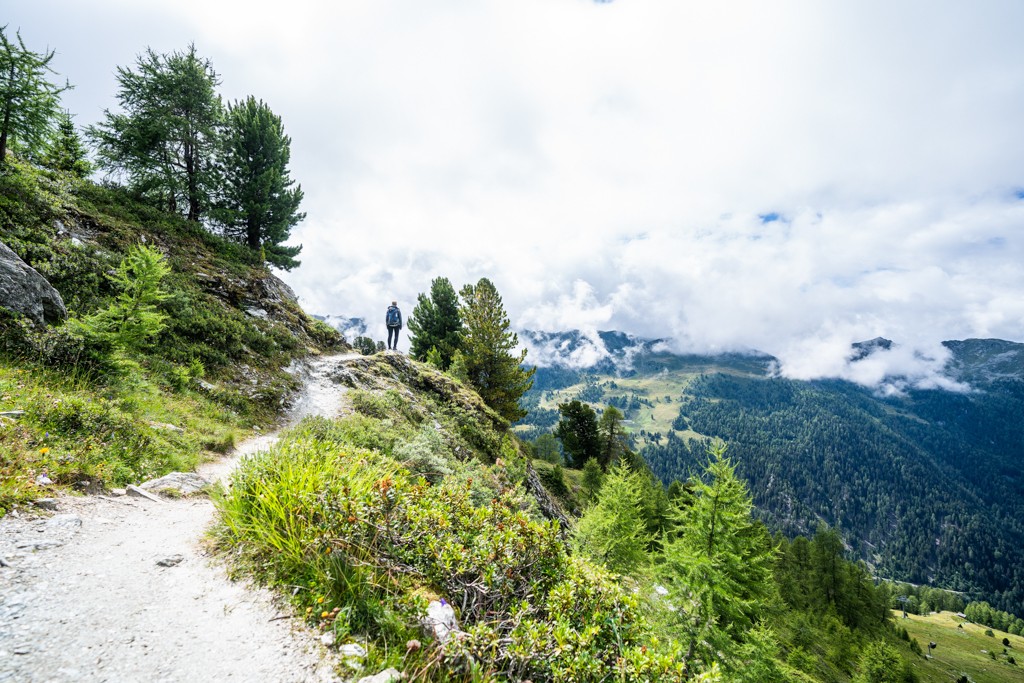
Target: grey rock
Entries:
(44, 544)
(171, 561)
(164, 425)
(386, 676)
(133, 490)
(25, 291)
(354, 650)
(67, 521)
(440, 621)
(4, 562)
(183, 483)
(46, 503)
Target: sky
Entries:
(788, 176)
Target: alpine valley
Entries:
(925, 485)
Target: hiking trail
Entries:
(122, 589)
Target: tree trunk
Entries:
(191, 173)
(8, 107)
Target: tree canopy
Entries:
(436, 323)
(259, 202)
(578, 431)
(492, 366)
(165, 141)
(720, 562)
(613, 530)
(29, 102)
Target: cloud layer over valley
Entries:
(789, 177)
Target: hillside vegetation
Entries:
(926, 486)
(965, 649)
(79, 406)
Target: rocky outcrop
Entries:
(548, 505)
(23, 290)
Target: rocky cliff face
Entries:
(23, 290)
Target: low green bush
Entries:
(367, 543)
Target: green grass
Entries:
(112, 435)
(82, 408)
(962, 651)
(661, 390)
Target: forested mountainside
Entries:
(926, 487)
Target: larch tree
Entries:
(612, 531)
(719, 564)
(29, 102)
(259, 202)
(492, 364)
(165, 141)
(436, 324)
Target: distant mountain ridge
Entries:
(350, 328)
(926, 485)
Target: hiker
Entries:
(393, 319)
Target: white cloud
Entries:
(606, 164)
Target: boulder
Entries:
(440, 621)
(177, 483)
(23, 290)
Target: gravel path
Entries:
(121, 589)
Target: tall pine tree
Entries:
(259, 204)
(578, 431)
(436, 323)
(489, 349)
(166, 139)
(612, 436)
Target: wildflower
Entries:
(44, 450)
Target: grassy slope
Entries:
(214, 372)
(962, 651)
(661, 380)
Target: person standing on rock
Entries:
(393, 319)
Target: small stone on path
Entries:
(133, 490)
(170, 561)
(386, 676)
